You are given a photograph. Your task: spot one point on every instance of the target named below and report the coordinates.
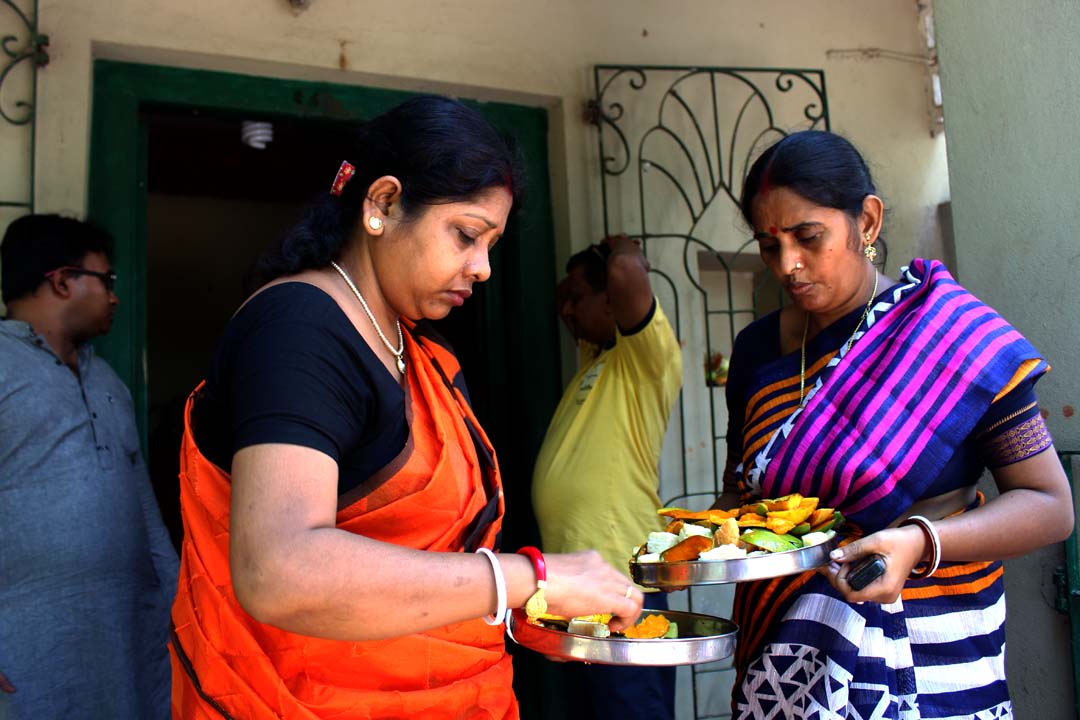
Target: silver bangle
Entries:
(500, 588)
(935, 547)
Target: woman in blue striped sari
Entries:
(886, 399)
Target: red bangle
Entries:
(538, 563)
(537, 604)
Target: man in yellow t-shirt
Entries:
(596, 479)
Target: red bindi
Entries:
(773, 230)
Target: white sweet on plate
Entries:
(816, 538)
(592, 629)
(723, 552)
(689, 529)
(660, 541)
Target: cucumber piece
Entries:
(770, 541)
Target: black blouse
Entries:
(291, 368)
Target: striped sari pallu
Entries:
(880, 422)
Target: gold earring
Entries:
(374, 223)
(869, 250)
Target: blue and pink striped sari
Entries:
(882, 421)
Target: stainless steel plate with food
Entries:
(715, 572)
(701, 639)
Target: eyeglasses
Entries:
(108, 279)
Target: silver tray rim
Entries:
(628, 651)
(716, 572)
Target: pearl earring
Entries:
(374, 223)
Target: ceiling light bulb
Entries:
(256, 134)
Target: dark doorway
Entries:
(214, 204)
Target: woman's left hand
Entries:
(902, 549)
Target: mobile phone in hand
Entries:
(866, 571)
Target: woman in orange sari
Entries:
(341, 504)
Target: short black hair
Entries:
(594, 260)
(37, 244)
(440, 149)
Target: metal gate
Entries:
(674, 145)
(24, 52)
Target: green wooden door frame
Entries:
(520, 293)
(1068, 579)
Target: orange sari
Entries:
(442, 494)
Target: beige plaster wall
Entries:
(1008, 76)
(536, 53)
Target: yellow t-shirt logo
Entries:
(588, 380)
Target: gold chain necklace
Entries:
(400, 352)
(806, 326)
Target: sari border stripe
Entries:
(942, 590)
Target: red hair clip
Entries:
(344, 174)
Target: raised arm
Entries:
(629, 291)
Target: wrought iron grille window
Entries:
(23, 53)
(674, 146)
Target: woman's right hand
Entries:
(583, 583)
(901, 549)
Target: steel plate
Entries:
(702, 639)
(715, 572)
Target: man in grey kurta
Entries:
(87, 570)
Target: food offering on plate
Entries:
(650, 627)
(660, 638)
(758, 528)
